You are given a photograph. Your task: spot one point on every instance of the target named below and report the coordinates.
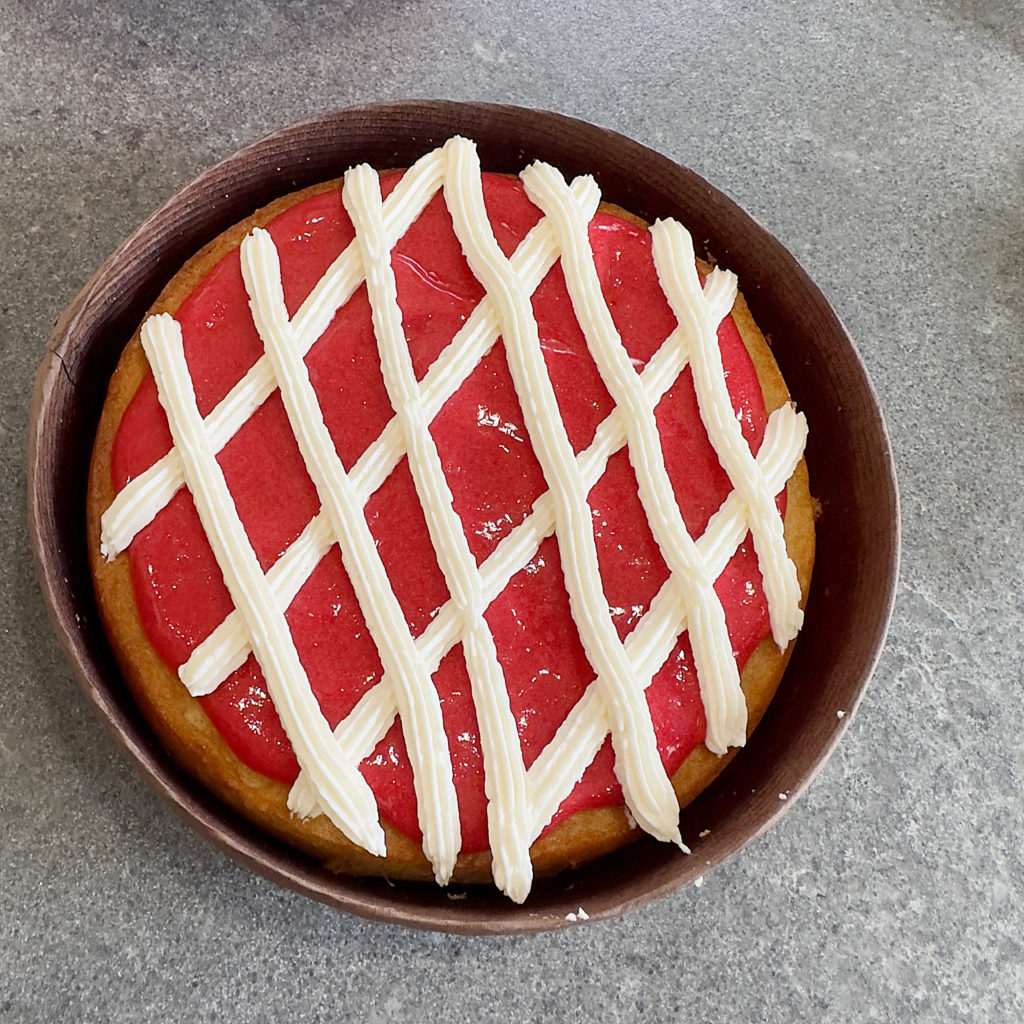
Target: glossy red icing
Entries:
(494, 477)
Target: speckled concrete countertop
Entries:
(883, 143)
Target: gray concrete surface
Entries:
(883, 143)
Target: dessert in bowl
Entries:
(538, 580)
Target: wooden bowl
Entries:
(848, 455)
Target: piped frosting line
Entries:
(418, 702)
(357, 735)
(226, 648)
(346, 797)
(144, 496)
(674, 262)
(504, 771)
(646, 788)
(725, 705)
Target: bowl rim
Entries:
(156, 243)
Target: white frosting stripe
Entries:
(227, 647)
(504, 771)
(357, 735)
(141, 498)
(725, 705)
(418, 702)
(346, 797)
(646, 787)
(674, 260)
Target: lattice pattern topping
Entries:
(520, 801)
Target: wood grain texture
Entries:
(848, 455)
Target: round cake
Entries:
(451, 524)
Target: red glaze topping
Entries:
(494, 477)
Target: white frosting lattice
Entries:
(520, 801)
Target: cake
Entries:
(450, 524)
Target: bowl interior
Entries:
(848, 456)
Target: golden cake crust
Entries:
(184, 729)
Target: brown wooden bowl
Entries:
(849, 458)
